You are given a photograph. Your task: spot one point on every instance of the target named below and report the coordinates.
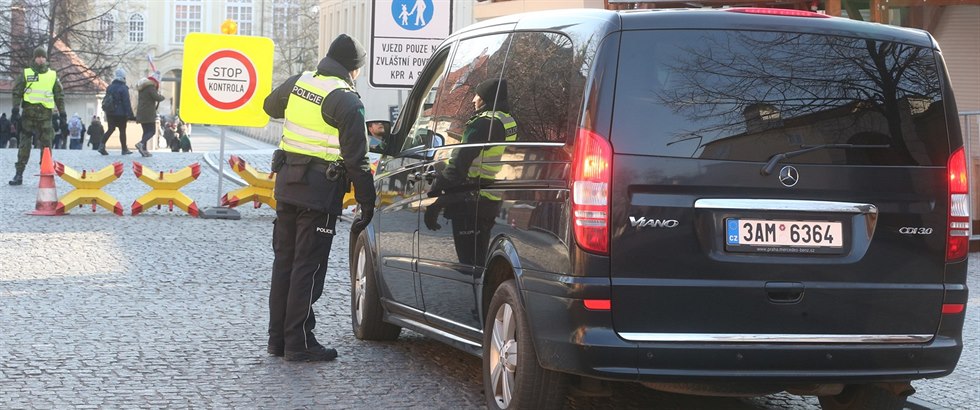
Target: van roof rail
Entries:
(707, 3)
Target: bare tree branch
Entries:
(71, 31)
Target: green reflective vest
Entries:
(39, 87)
(304, 131)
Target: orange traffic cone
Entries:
(47, 195)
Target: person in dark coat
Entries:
(4, 130)
(14, 130)
(59, 134)
(120, 111)
(322, 150)
(473, 217)
(170, 135)
(96, 133)
(146, 109)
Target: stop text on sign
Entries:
(226, 80)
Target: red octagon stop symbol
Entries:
(226, 80)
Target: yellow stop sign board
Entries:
(225, 79)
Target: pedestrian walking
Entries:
(171, 137)
(146, 109)
(322, 150)
(14, 131)
(59, 134)
(4, 130)
(185, 143)
(118, 110)
(38, 92)
(75, 132)
(96, 133)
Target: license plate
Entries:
(783, 236)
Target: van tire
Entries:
(862, 396)
(516, 370)
(366, 313)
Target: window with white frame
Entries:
(107, 25)
(136, 28)
(285, 15)
(241, 12)
(187, 18)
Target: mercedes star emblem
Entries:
(789, 176)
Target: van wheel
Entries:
(365, 306)
(862, 396)
(512, 378)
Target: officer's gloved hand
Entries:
(63, 119)
(432, 218)
(362, 221)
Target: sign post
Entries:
(224, 82)
(403, 37)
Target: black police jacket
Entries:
(343, 110)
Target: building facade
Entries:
(156, 29)
(354, 18)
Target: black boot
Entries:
(18, 178)
(102, 150)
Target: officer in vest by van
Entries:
(38, 92)
(322, 151)
(473, 216)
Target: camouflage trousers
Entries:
(33, 124)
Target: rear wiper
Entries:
(773, 160)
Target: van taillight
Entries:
(958, 237)
(591, 177)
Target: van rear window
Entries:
(747, 95)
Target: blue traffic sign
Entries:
(412, 14)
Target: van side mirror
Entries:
(378, 132)
(438, 140)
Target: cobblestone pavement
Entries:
(165, 310)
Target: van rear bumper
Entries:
(572, 339)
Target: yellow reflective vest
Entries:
(490, 163)
(304, 131)
(39, 87)
(490, 166)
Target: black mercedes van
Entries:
(735, 201)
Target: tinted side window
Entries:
(747, 95)
(476, 60)
(545, 81)
(422, 127)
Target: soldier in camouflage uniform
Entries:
(38, 91)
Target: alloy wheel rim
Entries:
(503, 355)
(359, 286)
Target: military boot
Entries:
(18, 178)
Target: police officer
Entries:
(474, 216)
(322, 151)
(38, 91)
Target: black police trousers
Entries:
(301, 240)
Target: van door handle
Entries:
(414, 177)
(429, 174)
(784, 292)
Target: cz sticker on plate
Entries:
(783, 236)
